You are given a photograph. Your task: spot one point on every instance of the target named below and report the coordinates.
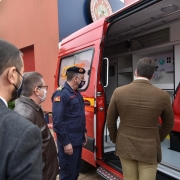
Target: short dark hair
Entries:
(146, 67)
(10, 56)
(71, 75)
(31, 80)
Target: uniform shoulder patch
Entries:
(59, 88)
(57, 99)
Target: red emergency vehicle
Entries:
(108, 50)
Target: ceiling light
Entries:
(169, 9)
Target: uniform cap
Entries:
(75, 69)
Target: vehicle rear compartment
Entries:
(153, 32)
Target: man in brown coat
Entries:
(139, 105)
(33, 94)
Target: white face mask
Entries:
(44, 97)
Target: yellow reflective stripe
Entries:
(91, 100)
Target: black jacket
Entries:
(20, 147)
(33, 112)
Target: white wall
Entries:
(164, 76)
(165, 79)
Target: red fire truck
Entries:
(108, 49)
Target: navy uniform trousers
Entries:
(70, 165)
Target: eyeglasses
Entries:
(19, 73)
(45, 87)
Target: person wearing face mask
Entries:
(34, 93)
(69, 123)
(20, 140)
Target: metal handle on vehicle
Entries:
(107, 71)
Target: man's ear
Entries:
(11, 75)
(36, 91)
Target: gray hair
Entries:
(71, 75)
(146, 67)
(31, 80)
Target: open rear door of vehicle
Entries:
(131, 22)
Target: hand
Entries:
(68, 149)
(85, 142)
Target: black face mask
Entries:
(17, 91)
(82, 83)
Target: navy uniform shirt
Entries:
(68, 116)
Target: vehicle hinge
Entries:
(95, 110)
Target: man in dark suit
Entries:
(138, 138)
(20, 140)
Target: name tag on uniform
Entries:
(71, 97)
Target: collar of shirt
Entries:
(5, 102)
(142, 78)
(69, 88)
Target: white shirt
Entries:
(143, 78)
(4, 101)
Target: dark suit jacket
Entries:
(20, 147)
(33, 112)
(139, 105)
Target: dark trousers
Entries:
(69, 164)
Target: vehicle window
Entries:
(65, 64)
(82, 59)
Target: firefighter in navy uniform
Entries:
(69, 123)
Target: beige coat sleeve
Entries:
(112, 116)
(167, 117)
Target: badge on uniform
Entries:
(71, 97)
(81, 70)
(60, 88)
(57, 99)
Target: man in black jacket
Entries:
(20, 140)
(29, 105)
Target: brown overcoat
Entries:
(33, 112)
(139, 105)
